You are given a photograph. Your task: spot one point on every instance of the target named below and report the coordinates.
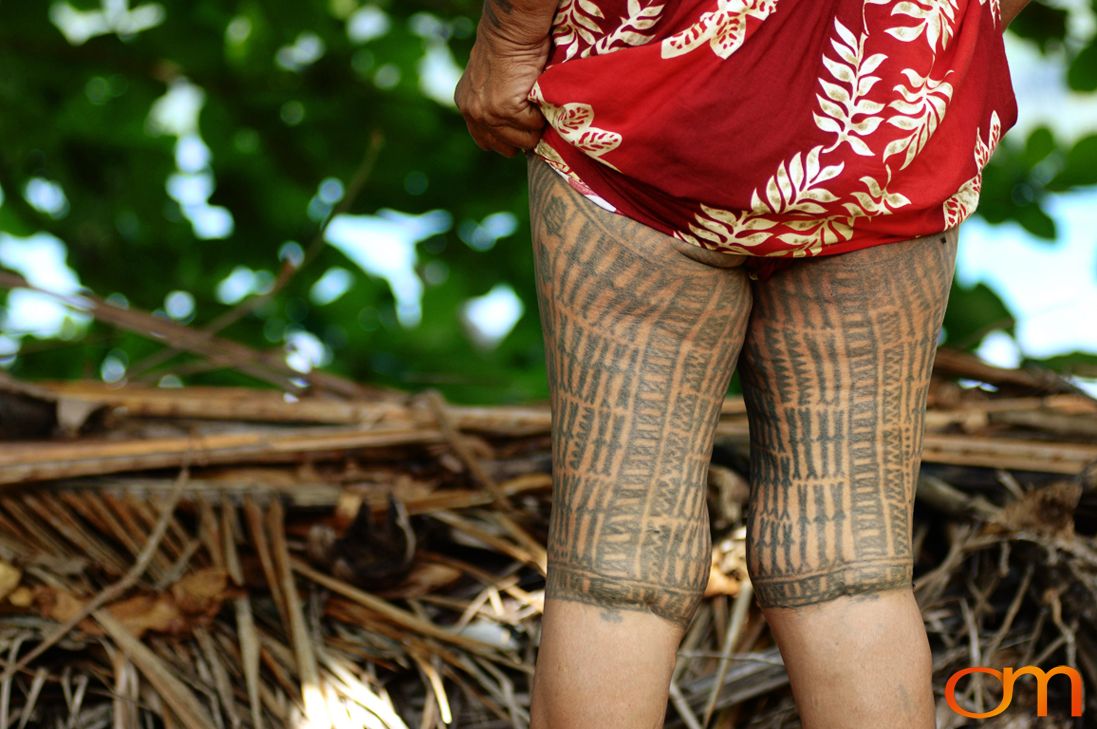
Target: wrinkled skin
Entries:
(508, 56)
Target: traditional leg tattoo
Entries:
(835, 374)
(640, 343)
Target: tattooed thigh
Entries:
(640, 344)
(835, 372)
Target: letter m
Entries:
(1009, 676)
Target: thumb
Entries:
(528, 117)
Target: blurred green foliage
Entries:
(78, 114)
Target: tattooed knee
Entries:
(856, 578)
(620, 592)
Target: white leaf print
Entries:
(960, 205)
(858, 145)
(827, 124)
(995, 10)
(691, 38)
(841, 71)
(835, 92)
(864, 85)
(868, 126)
(844, 101)
(794, 188)
(906, 33)
(821, 233)
(550, 155)
(963, 202)
(729, 36)
(574, 122)
(630, 31)
(575, 26)
(983, 150)
(598, 141)
(936, 19)
(877, 201)
(724, 29)
(846, 35)
(572, 119)
(793, 197)
(921, 106)
(872, 63)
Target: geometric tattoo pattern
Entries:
(640, 344)
(835, 372)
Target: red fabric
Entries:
(778, 127)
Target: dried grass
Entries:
(205, 557)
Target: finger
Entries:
(487, 140)
(520, 138)
(528, 117)
(503, 147)
(503, 139)
(478, 135)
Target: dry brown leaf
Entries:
(721, 584)
(10, 575)
(21, 597)
(202, 592)
(1047, 510)
(158, 613)
(193, 600)
(60, 606)
(423, 579)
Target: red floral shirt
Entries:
(777, 127)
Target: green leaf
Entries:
(973, 312)
(1081, 166)
(1080, 363)
(1082, 73)
(13, 224)
(1040, 143)
(1042, 24)
(1033, 219)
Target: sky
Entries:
(1045, 285)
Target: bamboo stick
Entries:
(40, 461)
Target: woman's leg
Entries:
(640, 346)
(835, 373)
